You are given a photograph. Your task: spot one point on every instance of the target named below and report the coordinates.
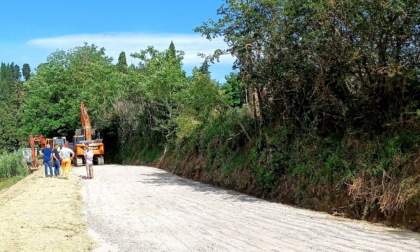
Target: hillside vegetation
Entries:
(322, 110)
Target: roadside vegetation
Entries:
(322, 110)
(12, 169)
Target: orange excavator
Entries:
(32, 140)
(84, 136)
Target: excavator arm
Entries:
(32, 140)
(85, 122)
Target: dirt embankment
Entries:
(43, 214)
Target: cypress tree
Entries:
(122, 63)
(16, 73)
(26, 71)
(204, 68)
(171, 51)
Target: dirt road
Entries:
(43, 214)
(136, 208)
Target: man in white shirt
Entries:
(89, 162)
(67, 155)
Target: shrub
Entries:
(12, 165)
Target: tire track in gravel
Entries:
(142, 208)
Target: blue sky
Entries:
(32, 30)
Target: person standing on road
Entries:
(57, 160)
(47, 152)
(89, 162)
(66, 156)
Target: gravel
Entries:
(138, 208)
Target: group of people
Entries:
(62, 159)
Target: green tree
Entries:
(16, 72)
(234, 91)
(326, 65)
(26, 71)
(203, 103)
(163, 78)
(171, 53)
(11, 98)
(204, 68)
(146, 105)
(55, 92)
(122, 63)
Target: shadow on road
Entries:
(159, 179)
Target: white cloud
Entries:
(115, 43)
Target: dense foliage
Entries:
(326, 65)
(11, 165)
(11, 99)
(54, 94)
(322, 111)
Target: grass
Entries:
(12, 169)
(6, 183)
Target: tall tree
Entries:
(234, 90)
(26, 71)
(204, 68)
(7, 81)
(163, 78)
(16, 72)
(171, 50)
(11, 97)
(3, 71)
(122, 63)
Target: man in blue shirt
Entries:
(47, 160)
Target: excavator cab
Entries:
(78, 139)
(60, 141)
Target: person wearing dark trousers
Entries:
(57, 161)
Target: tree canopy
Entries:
(329, 65)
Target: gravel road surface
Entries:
(137, 208)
